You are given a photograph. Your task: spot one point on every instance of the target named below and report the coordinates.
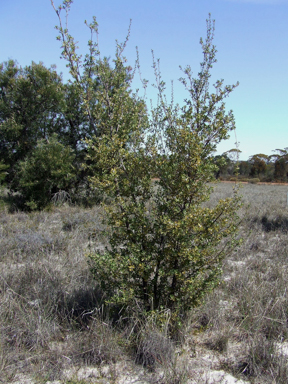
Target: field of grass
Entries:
(55, 329)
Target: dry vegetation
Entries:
(53, 323)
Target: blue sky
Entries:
(251, 38)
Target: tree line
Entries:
(45, 125)
(273, 168)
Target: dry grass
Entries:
(47, 293)
(246, 317)
(52, 318)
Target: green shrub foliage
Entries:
(30, 106)
(46, 171)
(165, 247)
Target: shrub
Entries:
(254, 180)
(164, 244)
(48, 170)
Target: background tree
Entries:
(30, 106)
(258, 164)
(75, 119)
(47, 170)
(280, 164)
(244, 168)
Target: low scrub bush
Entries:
(255, 180)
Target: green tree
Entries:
(34, 104)
(75, 119)
(30, 107)
(258, 164)
(244, 168)
(47, 170)
(165, 246)
(280, 164)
